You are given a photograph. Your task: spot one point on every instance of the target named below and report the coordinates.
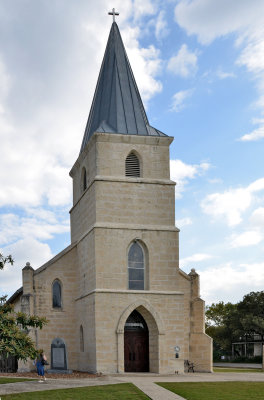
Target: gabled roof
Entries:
(117, 106)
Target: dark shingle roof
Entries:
(117, 106)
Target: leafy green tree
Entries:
(251, 311)
(14, 326)
(227, 323)
(221, 325)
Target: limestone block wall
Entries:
(200, 344)
(83, 214)
(62, 322)
(135, 202)
(163, 313)
(112, 197)
(85, 317)
(153, 153)
(86, 273)
(161, 258)
(87, 160)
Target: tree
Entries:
(228, 323)
(251, 310)
(221, 325)
(14, 327)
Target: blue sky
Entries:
(199, 65)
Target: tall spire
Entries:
(117, 106)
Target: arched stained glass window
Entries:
(136, 267)
(132, 165)
(56, 294)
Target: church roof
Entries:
(117, 106)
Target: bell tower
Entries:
(123, 228)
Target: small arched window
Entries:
(136, 267)
(56, 294)
(132, 165)
(81, 339)
(84, 180)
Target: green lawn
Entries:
(222, 369)
(13, 380)
(122, 391)
(217, 390)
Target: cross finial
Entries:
(113, 13)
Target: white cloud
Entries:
(255, 135)
(230, 282)
(246, 239)
(183, 222)
(46, 88)
(231, 203)
(257, 218)
(224, 75)
(184, 63)
(145, 63)
(211, 19)
(15, 227)
(181, 173)
(161, 26)
(25, 250)
(179, 98)
(142, 8)
(191, 261)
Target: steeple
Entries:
(117, 106)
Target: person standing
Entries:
(40, 363)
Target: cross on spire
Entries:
(113, 13)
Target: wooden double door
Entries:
(136, 349)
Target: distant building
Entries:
(116, 299)
(248, 346)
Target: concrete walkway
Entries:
(237, 365)
(145, 382)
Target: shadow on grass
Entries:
(122, 391)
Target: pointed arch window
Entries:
(132, 165)
(56, 294)
(136, 267)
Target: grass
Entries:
(217, 390)
(222, 369)
(13, 380)
(122, 391)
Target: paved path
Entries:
(145, 382)
(237, 365)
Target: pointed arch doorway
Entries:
(136, 344)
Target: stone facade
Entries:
(109, 213)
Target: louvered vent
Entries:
(132, 165)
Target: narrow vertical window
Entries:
(84, 179)
(81, 339)
(132, 165)
(56, 295)
(136, 267)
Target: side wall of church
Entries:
(62, 321)
(86, 341)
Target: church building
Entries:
(115, 298)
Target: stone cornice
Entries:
(139, 292)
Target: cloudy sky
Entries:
(199, 65)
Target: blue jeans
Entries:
(40, 369)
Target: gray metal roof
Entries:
(117, 106)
